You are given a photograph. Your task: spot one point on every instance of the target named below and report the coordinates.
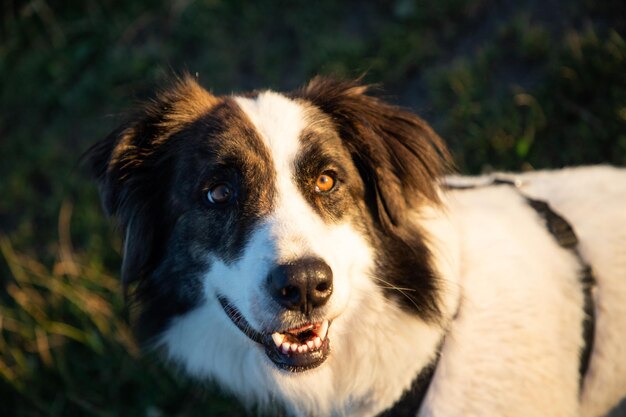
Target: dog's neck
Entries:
(392, 348)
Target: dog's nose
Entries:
(302, 285)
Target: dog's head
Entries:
(261, 230)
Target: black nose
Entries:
(301, 285)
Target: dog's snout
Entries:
(302, 285)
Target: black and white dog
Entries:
(307, 250)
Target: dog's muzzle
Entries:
(301, 287)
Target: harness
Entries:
(411, 401)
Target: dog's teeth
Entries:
(323, 330)
(282, 342)
(278, 339)
(318, 342)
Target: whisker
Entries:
(400, 290)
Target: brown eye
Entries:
(222, 193)
(324, 183)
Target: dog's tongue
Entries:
(300, 329)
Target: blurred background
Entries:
(513, 85)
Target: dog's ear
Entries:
(399, 155)
(131, 167)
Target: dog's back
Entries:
(522, 295)
(593, 199)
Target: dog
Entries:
(311, 251)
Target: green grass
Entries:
(522, 86)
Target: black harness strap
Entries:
(565, 236)
(409, 404)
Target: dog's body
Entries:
(302, 250)
(520, 292)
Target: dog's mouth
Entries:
(295, 349)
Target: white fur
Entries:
(513, 348)
(510, 350)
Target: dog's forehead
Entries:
(279, 121)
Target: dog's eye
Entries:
(325, 182)
(220, 194)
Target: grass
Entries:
(67, 352)
(521, 85)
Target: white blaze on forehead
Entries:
(279, 122)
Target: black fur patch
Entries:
(322, 152)
(154, 174)
(399, 159)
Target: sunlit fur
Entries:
(508, 311)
